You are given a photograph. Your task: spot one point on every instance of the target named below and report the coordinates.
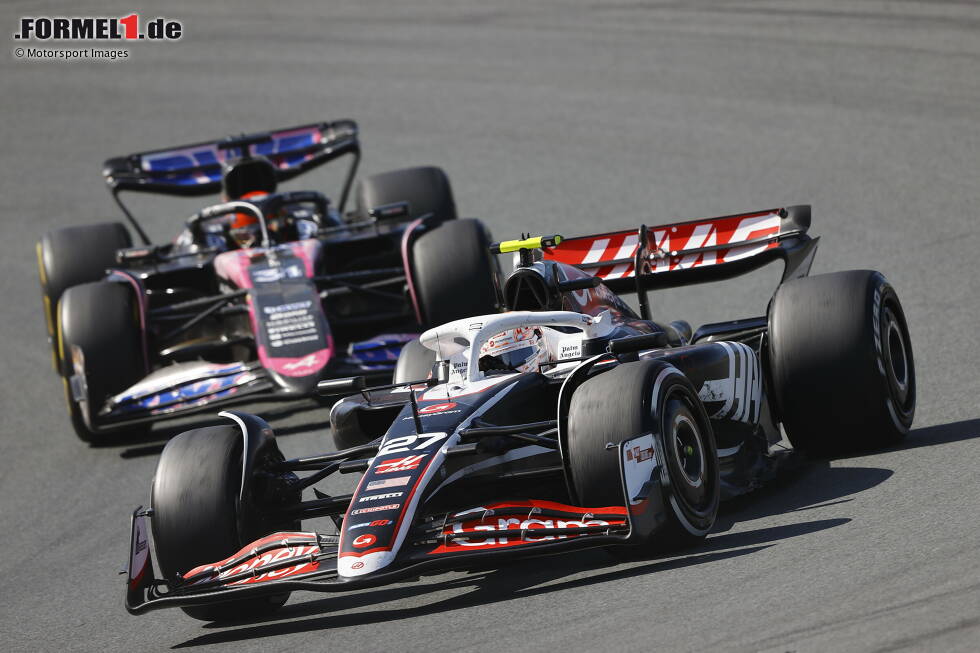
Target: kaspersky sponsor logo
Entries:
(361, 511)
(378, 497)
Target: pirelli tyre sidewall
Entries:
(630, 400)
(101, 349)
(841, 362)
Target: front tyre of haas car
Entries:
(630, 400)
(199, 516)
(101, 352)
(842, 367)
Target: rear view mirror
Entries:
(339, 387)
(629, 344)
(395, 211)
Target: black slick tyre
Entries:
(426, 189)
(198, 517)
(99, 342)
(630, 400)
(454, 274)
(842, 367)
(71, 256)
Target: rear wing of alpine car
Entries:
(695, 251)
(196, 169)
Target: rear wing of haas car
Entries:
(695, 251)
(196, 169)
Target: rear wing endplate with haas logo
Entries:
(695, 251)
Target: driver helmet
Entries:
(249, 178)
(244, 176)
(244, 228)
(516, 350)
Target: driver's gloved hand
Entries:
(214, 237)
(305, 229)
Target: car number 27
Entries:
(405, 442)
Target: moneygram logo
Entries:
(98, 28)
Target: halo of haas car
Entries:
(570, 421)
(267, 292)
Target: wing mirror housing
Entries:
(341, 387)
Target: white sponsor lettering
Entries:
(307, 361)
(285, 308)
(517, 526)
(269, 558)
(377, 497)
(391, 506)
(402, 443)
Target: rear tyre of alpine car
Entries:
(454, 273)
(630, 400)
(198, 517)
(99, 345)
(841, 357)
(71, 256)
(426, 189)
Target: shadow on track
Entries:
(816, 484)
(515, 582)
(931, 436)
(810, 485)
(522, 579)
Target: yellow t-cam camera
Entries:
(537, 242)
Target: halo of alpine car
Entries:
(567, 421)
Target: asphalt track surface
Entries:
(563, 117)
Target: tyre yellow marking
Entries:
(64, 378)
(48, 322)
(44, 294)
(61, 341)
(40, 265)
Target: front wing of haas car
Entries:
(292, 561)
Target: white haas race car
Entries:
(569, 422)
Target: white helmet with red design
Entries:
(516, 350)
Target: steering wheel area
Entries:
(275, 218)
